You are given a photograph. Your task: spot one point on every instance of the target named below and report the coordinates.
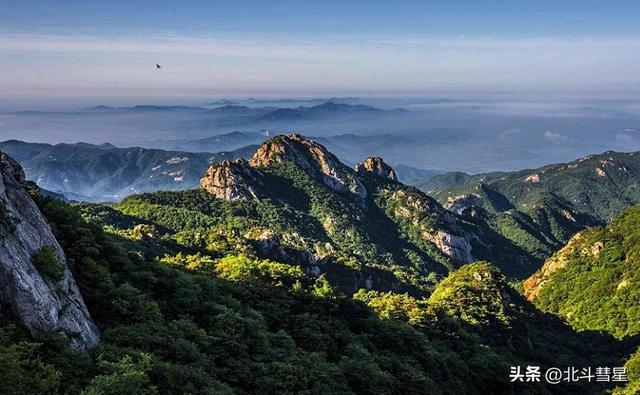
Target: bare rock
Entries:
(464, 204)
(434, 223)
(456, 247)
(313, 158)
(232, 180)
(41, 303)
(376, 165)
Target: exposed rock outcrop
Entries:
(464, 204)
(533, 285)
(42, 303)
(232, 180)
(376, 165)
(456, 247)
(312, 157)
(434, 223)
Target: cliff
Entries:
(232, 180)
(35, 284)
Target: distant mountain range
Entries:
(142, 108)
(351, 148)
(284, 101)
(106, 173)
(222, 142)
(343, 143)
(263, 113)
(411, 175)
(322, 110)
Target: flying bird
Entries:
(158, 66)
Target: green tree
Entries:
(48, 263)
(125, 376)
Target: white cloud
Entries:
(555, 137)
(628, 136)
(510, 134)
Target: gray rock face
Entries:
(232, 180)
(43, 304)
(376, 165)
(312, 157)
(464, 204)
(448, 237)
(456, 247)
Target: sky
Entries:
(304, 48)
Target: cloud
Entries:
(360, 64)
(510, 134)
(628, 136)
(547, 106)
(555, 137)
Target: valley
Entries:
(284, 227)
(320, 197)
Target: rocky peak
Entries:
(311, 157)
(230, 181)
(376, 165)
(42, 301)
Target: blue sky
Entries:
(317, 47)
(513, 18)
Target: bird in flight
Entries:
(158, 66)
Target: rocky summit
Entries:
(318, 211)
(376, 165)
(312, 157)
(35, 284)
(232, 180)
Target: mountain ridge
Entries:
(593, 278)
(618, 170)
(106, 172)
(304, 272)
(302, 205)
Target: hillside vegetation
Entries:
(600, 186)
(594, 283)
(541, 209)
(293, 273)
(296, 203)
(242, 325)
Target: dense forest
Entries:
(280, 276)
(239, 324)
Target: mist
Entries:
(472, 133)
